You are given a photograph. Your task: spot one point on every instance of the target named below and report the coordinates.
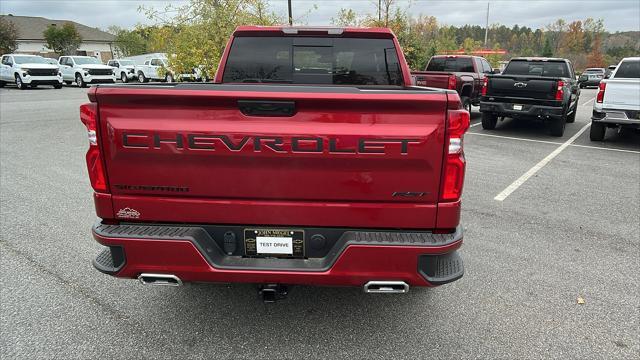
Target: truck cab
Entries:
(28, 71)
(84, 70)
(123, 69)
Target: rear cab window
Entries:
(451, 64)
(537, 68)
(628, 69)
(313, 60)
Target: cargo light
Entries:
(89, 117)
(454, 162)
(560, 90)
(601, 88)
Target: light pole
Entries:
(486, 29)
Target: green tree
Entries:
(62, 40)
(8, 37)
(345, 18)
(469, 45)
(199, 30)
(547, 50)
(130, 42)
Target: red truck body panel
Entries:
(376, 168)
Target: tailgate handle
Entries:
(267, 108)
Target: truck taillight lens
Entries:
(601, 88)
(88, 116)
(485, 85)
(560, 90)
(452, 82)
(454, 166)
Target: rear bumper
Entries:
(355, 258)
(528, 110)
(617, 117)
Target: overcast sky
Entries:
(618, 15)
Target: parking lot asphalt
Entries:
(570, 231)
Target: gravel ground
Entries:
(571, 231)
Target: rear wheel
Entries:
(123, 77)
(489, 120)
(556, 128)
(597, 131)
(141, 77)
(57, 86)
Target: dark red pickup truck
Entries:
(311, 160)
(462, 73)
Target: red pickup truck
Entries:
(462, 73)
(311, 159)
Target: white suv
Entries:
(28, 70)
(124, 70)
(85, 70)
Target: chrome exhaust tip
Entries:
(159, 279)
(386, 287)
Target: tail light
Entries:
(485, 85)
(560, 90)
(454, 162)
(601, 88)
(453, 82)
(89, 117)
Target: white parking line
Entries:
(476, 124)
(522, 179)
(586, 102)
(554, 143)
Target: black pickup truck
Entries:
(540, 88)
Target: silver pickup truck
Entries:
(618, 101)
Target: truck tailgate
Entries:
(523, 87)
(622, 94)
(431, 79)
(304, 146)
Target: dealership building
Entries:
(31, 40)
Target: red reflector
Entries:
(560, 90)
(601, 88)
(485, 84)
(89, 117)
(453, 82)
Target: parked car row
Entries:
(33, 70)
(539, 88)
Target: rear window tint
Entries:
(452, 64)
(629, 69)
(308, 60)
(537, 68)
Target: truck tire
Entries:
(597, 131)
(19, 83)
(2, 83)
(466, 103)
(57, 86)
(123, 77)
(489, 120)
(80, 81)
(141, 77)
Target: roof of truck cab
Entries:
(312, 30)
(537, 58)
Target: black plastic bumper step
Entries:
(441, 269)
(110, 260)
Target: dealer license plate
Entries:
(517, 107)
(274, 242)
